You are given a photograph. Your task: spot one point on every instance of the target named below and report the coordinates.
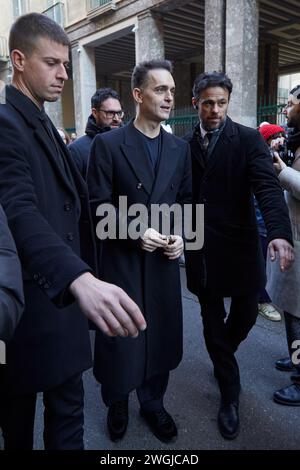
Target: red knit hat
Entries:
(267, 130)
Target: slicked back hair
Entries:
(139, 76)
(101, 95)
(27, 29)
(211, 79)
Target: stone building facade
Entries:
(252, 40)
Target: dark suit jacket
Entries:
(80, 148)
(231, 261)
(11, 286)
(41, 195)
(120, 166)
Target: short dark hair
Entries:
(139, 76)
(211, 79)
(27, 28)
(102, 94)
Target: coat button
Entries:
(36, 277)
(139, 186)
(67, 207)
(70, 236)
(47, 285)
(172, 186)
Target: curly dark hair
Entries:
(211, 79)
(101, 95)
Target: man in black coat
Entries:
(147, 166)
(46, 204)
(230, 162)
(106, 115)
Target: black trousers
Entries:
(63, 418)
(150, 393)
(223, 336)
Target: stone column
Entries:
(271, 72)
(182, 78)
(149, 38)
(214, 51)
(55, 112)
(84, 80)
(242, 59)
(5, 72)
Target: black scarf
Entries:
(293, 141)
(92, 129)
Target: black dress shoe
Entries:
(161, 424)
(117, 419)
(288, 395)
(228, 420)
(284, 364)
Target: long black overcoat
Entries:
(119, 166)
(46, 203)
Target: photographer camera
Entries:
(280, 146)
(284, 287)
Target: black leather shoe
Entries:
(288, 395)
(228, 420)
(284, 364)
(117, 419)
(161, 424)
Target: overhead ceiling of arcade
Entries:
(279, 22)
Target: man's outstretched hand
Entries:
(107, 306)
(285, 252)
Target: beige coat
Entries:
(284, 288)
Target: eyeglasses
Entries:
(112, 114)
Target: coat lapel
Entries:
(196, 149)
(220, 149)
(137, 157)
(77, 177)
(43, 138)
(32, 117)
(170, 154)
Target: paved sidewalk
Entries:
(193, 397)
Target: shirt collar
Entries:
(204, 132)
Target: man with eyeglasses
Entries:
(107, 114)
(230, 162)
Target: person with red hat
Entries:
(271, 132)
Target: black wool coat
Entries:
(80, 148)
(118, 166)
(46, 204)
(231, 262)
